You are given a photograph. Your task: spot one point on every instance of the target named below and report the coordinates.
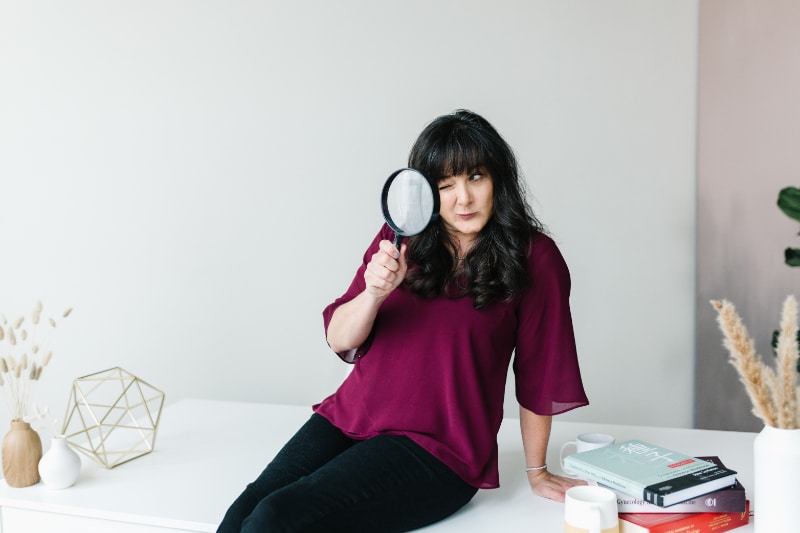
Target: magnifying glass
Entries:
(409, 203)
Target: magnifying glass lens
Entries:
(409, 203)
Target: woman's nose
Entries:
(463, 196)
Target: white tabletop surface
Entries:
(207, 451)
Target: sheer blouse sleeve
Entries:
(546, 372)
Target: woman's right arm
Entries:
(352, 322)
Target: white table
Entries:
(207, 451)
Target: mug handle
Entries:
(561, 456)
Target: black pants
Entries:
(324, 481)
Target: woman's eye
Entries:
(475, 177)
(444, 186)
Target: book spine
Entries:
(657, 492)
(699, 523)
(724, 501)
(706, 523)
(606, 478)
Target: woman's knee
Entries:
(277, 514)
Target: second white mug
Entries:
(590, 510)
(583, 443)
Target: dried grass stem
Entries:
(773, 393)
(20, 370)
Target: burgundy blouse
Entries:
(435, 369)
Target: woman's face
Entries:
(466, 205)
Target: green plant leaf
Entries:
(789, 202)
(792, 256)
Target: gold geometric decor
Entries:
(113, 416)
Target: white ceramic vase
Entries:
(60, 466)
(776, 455)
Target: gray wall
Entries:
(198, 179)
(748, 130)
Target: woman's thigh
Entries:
(314, 444)
(382, 484)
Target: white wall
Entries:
(198, 179)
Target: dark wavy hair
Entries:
(495, 267)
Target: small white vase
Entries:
(60, 466)
(776, 462)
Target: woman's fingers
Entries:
(386, 269)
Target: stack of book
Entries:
(663, 491)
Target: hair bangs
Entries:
(460, 154)
(451, 151)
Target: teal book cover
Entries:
(655, 474)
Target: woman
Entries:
(411, 434)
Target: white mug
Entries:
(583, 443)
(590, 509)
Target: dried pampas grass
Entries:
(20, 370)
(773, 393)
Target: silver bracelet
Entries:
(543, 467)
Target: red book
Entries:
(682, 522)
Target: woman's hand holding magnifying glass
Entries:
(386, 270)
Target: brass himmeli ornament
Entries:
(113, 416)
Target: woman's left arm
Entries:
(535, 436)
